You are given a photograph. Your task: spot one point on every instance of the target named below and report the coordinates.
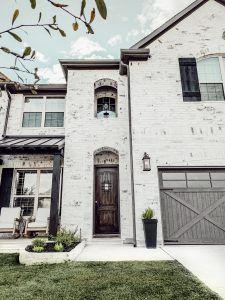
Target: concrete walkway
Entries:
(121, 253)
(13, 245)
(205, 262)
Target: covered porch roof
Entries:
(32, 144)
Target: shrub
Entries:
(148, 214)
(38, 242)
(38, 249)
(59, 247)
(67, 238)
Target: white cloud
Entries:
(156, 12)
(84, 47)
(116, 39)
(41, 57)
(52, 74)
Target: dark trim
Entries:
(31, 151)
(171, 23)
(55, 195)
(6, 187)
(81, 64)
(178, 168)
(35, 136)
(127, 55)
(41, 89)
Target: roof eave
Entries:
(77, 64)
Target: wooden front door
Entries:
(106, 200)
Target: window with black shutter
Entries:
(189, 79)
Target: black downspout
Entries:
(7, 111)
(131, 156)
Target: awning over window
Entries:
(32, 144)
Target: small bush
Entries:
(38, 242)
(67, 238)
(59, 247)
(148, 214)
(38, 249)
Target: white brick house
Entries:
(165, 97)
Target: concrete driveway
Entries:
(205, 262)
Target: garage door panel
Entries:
(195, 216)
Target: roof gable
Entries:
(171, 23)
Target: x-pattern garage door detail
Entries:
(193, 217)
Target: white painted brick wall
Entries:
(172, 132)
(85, 134)
(3, 108)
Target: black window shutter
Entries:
(189, 79)
(5, 187)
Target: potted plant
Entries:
(150, 228)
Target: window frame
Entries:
(36, 195)
(43, 111)
(222, 70)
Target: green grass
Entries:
(108, 281)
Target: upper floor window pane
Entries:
(54, 119)
(32, 119)
(55, 104)
(33, 104)
(210, 79)
(209, 70)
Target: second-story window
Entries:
(210, 78)
(43, 112)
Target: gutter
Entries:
(128, 55)
(126, 67)
(7, 111)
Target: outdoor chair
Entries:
(9, 219)
(38, 224)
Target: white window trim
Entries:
(222, 70)
(36, 195)
(43, 111)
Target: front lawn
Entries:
(108, 281)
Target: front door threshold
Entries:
(106, 235)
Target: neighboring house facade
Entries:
(78, 148)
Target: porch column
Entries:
(55, 196)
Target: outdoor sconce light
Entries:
(146, 162)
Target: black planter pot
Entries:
(150, 229)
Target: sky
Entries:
(128, 22)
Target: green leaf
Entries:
(15, 15)
(92, 16)
(54, 19)
(7, 50)
(33, 3)
(39, 19)
(16, 37)
(33, 91)
(48, 31)
(62, 32)
(102, 8)
(75, 26)
(83, 5)
(27, 51)
(89, 28)
(33, 54)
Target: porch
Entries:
(23, 179)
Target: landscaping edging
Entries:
(31, 258)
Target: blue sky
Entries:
(128, 21)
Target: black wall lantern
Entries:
(146, 162)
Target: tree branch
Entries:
(27, 25)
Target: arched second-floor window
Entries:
(211, 74)
(105, 98)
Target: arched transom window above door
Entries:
(211, 74)
(106, 157)
(105, 98)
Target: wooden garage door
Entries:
(193, 206)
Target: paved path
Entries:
(205, 262)
(13, 245)
(121, 253)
